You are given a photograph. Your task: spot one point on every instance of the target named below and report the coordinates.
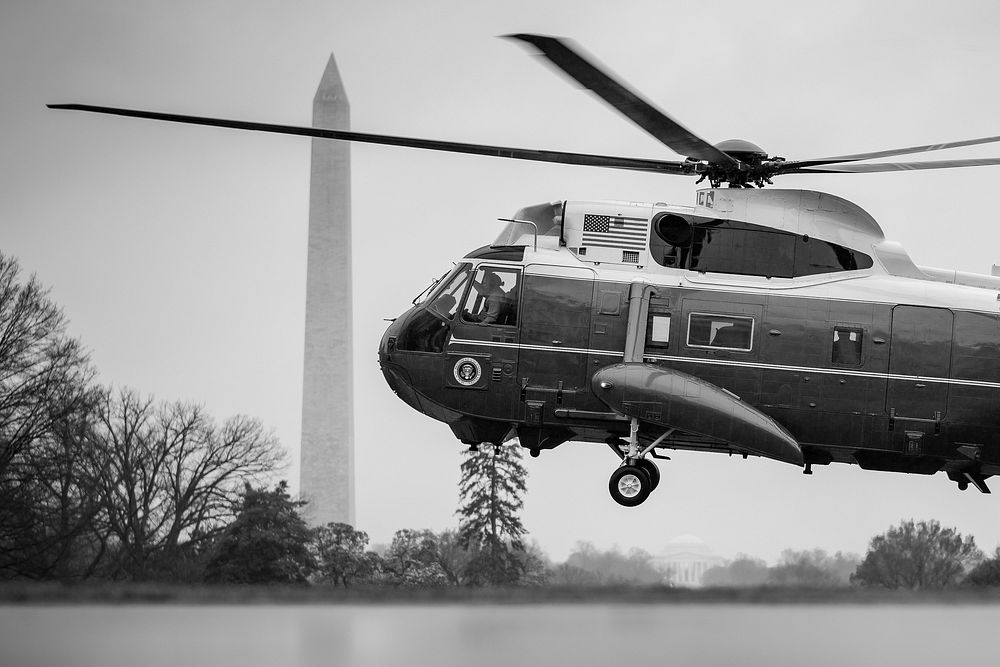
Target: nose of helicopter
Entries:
(396, 375)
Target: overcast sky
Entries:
(178, 253)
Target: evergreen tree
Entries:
(491, 490)
(267, 543)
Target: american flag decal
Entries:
(613, 231)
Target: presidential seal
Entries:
(467, 371)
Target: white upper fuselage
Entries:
(892, 277)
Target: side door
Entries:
(483, 350)
(919, 363)
(556, 309)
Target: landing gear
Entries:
(630, 485)
(652, 471)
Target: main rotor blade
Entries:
(893, 166)
(891, 152)
(560, 157)
(644, 114)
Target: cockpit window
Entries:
(728, 246)
(444, 300)
(492, 298)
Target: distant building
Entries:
(685, 560)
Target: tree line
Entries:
(103, 483)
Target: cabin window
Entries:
(720, 332)
(728, 246)
(847, 342)
(658, 330)
(493, 297)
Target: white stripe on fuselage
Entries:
(734, 363)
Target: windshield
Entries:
(444, 300)
(425, 293)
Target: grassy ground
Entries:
(147, 593)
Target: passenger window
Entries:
(847, 345)
(493, 297)
(658, 330)
(720, 331)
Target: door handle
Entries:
(920, 385)
(557, 342)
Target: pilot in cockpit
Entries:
(495, 301)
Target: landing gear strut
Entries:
(637, 477)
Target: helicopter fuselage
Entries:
(772, 323)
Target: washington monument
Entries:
(327, 454)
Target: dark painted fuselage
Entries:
(889, 372)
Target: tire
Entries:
(629, 485)
(652, 471)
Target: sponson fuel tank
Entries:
(677, 400)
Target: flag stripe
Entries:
(617, 246)
(628, 233)
(641, 243)
(624, 243)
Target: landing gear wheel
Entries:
(629, 485)
(652, 471)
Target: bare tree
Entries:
(43, 384)
(813, 568)
(64, 503)
(43, 372)
(171, 479)
(611, 567)
(743, 571)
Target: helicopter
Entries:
(755, 322)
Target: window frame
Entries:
(750, 318)
(514, 294)
(849, 329)
(650, 326)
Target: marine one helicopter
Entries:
(774, 323)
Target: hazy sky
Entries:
(178, 253)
